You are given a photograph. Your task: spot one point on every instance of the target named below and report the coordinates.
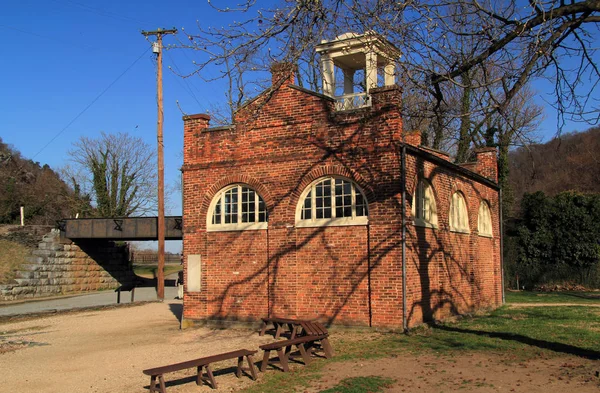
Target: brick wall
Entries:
(281, 142)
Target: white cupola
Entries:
(351, 52)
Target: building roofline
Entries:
(441, 162)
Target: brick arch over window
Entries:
(236, 179)
(331, 170)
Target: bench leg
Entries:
(211, 377)
(265, 362)
(279, 328)
(132, 294)
(199, 377)
(119, 296)
(153, 384)
(263, 329)
(153, 387)
(305, 355)
(327, 348)
(283, 359)
(251, 367)
(161, 380)
(238, 371)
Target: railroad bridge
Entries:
(119, 229)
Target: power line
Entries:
(46, 37)
(90, 104)
(101, 12)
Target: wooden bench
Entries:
(129, 288)
(201, 364)
(279, 324)
(304, 344)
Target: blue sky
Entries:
(58, 56)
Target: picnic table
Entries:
(279, 325)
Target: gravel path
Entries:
(106, 350)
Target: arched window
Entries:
(459, 217)
(332, 201)
(424, 210)
(484, 220)
(237, 207)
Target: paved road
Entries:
(103, 298)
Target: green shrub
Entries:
(559, 239)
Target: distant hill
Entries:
(45, 197)
(571, 162)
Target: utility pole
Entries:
(157, 48)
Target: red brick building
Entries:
(297, 210)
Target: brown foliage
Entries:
(570, 162)
(45, 197)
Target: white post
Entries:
(348, 81)
(371, 70)
(22, 216)
(390, 74)
(328, 77)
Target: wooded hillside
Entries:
(45, 197)
(571, 163)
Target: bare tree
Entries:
(117, 171)
(444, 44)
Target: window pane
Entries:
(239, 204)
(360, 211)
(231, 206)
(323, 199)
(345, 202)
(248, 202)
(262, 210)
(306, 209)
(361, 205)
(217, 213)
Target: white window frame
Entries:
(239, 225)
(333, 221)
(423, 205)
(484, 205)
(458, 216)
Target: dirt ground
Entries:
(106, 351)
(470, 373)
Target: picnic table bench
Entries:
(201, 364)
(304, 344)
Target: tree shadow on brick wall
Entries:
(335, 151)
(340, 149)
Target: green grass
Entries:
(523, 332)
(12, 256)
(516, 334)
(553, 297)
(149, 271)
(372, 384)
